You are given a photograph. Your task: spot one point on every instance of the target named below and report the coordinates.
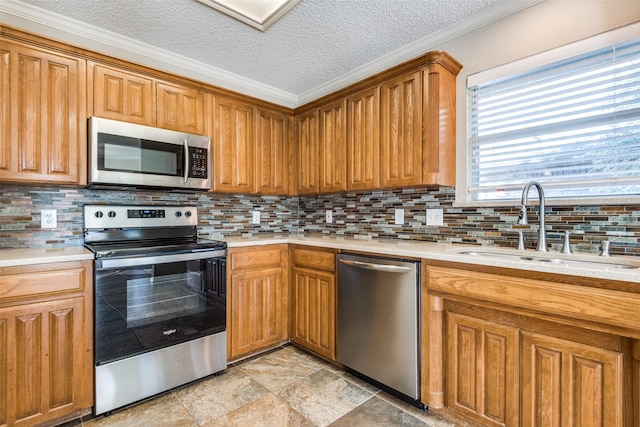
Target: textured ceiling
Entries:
(316, 42)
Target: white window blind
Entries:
(572, 125)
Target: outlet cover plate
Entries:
(435, 217)
(399, 217)
(329, 216)
(48, 218)
(256, 217)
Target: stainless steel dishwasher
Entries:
(378, 322)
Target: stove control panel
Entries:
(116, 216)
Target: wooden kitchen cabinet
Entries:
(332, 145)
(137, 98)
(565, 383)
(401, 131)
(272, 157)
(233, 143)
(363, 140)
(43, 113)
(258, 299)
(180, 108)
(313, 300)
(46, 343)
(122, 95)
(482, 370)
(518, 348)
(307, 166)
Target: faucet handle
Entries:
(566, 246)
(606, 244)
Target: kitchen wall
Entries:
(363, 215)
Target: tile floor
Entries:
(284, 387)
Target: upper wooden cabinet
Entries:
(272, 161)
(363, 140)
(121, 95)
(180, 108)
(307, 130)
(332, 145)
(401, 131)
(137, 98)
(43, 115)
(232, 142)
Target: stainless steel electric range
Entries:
(160, 301)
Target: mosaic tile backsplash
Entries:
(363, 215)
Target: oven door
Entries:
(148, 303)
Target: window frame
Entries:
(585, 46)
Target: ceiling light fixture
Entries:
(259, 14)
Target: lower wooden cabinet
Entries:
(313, 300)
(482, 370)
(570, 384)
(258, 296)
(46, 343)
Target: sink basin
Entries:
(559, 261)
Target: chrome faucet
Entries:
(522, 219)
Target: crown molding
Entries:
(39, 21)
(416, 49)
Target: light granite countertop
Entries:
(586, 265)
(28, 256)
(625, 269)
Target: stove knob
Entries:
(178, 214)
(187, 214)
(99, 214)
(111, 214)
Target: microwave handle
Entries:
(186, 160)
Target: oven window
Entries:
(147, 307)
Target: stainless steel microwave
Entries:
(127, 154)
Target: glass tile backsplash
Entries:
(363, 215)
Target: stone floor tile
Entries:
(161, 411)
(269, 411)
(376, 412)
(210, 399)
(323, 397)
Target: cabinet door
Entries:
(314, 311)
(570, 384)
(180, 108)
(43, 116)
(232, 146)
(272, 153)
(482, 370)
(401, 131)
(256, 310)
(120, 95)
(363, 140)
(42, 357)
(333, 148)
(307, 130)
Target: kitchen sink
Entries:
(557, 261)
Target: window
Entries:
(572, 124)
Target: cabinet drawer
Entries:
(314, 259)
(19, 285)
(256, 258)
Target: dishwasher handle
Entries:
(376, 267)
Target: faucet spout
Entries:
(542, 237)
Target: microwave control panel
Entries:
(198, 162)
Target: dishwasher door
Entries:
(378, 320)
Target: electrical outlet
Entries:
(256, 217)
(48, 218)
(399, 217)
(329, 217)
(435, 217)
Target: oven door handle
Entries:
(158, 259)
